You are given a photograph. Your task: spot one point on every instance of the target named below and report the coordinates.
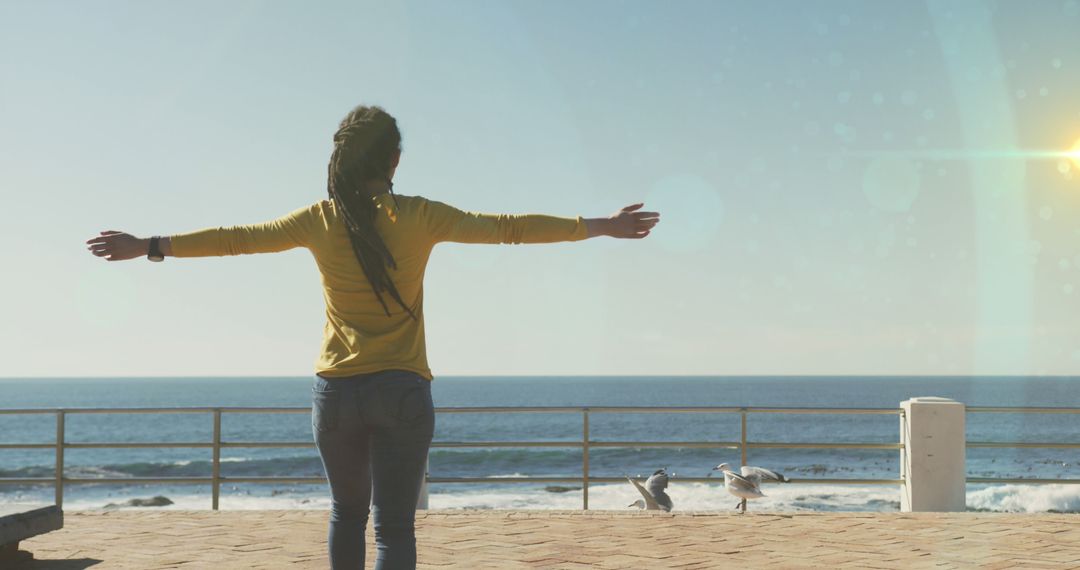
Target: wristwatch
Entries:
(155, 252)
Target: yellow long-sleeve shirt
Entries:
(358, 337)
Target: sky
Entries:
(846, 187)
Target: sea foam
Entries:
(1026, 498)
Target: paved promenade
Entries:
(572, 540)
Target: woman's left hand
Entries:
(117, 246)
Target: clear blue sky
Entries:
(846, 187)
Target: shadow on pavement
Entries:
(62, 564)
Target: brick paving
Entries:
(572, 540)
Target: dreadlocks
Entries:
(364, 148)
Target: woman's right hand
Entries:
(627, 223)
(117, 246)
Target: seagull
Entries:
(758, 475)
(654, 498)
(747, 484)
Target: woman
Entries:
(372, 413)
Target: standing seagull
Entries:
(747, 485)
(654, 498)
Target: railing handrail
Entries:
(1024, 409)
(744, 444)
(543, 409)
(508, 443)
(466, 409)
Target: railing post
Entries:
(935, 475)
(585, 459)
(742, 438)
(59, 458)
(215, 484)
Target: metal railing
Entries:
(1023, 444)
(586, 444)
(216, 479)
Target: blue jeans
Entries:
(373, 432)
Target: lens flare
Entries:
(1074, 154)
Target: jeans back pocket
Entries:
(414, 401)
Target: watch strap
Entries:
(154, 254)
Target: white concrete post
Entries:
(932, 431)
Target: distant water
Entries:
(561, 462)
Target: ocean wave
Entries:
(284, 466)
(1026, 498)
(543, 463)
(609, 462)
(202, 502)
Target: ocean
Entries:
(872, 392)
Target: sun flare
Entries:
(1074, 154)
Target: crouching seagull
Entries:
(747, 483)
(653, 496)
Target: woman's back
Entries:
(359, 337)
